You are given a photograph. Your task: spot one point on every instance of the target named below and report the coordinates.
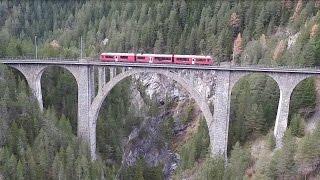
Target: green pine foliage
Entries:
(297, 159)
(41, 146)
(196, 148)
(140, 26)
(35, 145)
(297, 125)
(213, 168)
(308, 153)
(303, 98)
(238, 163)
(56, 83)
(254, 104)
(141, 172)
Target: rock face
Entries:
(147, 141)
(158, 87)
(137, 102)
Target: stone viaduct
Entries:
(107, 75)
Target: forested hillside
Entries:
(35, 145)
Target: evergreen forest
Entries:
(44, 145)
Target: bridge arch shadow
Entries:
(56, 83)
(253, 107)
(18, 106)
(185, 85)
(20, 79)
(304, 104)
(16, 75)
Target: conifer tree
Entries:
(284, 162)
(297, 125)
(255, 120)
(260, 23)
(308, 151)
(10, 167)
(70, 159)
(31, 166)
(238, 163)
(55, 167)
(213, 168)
(20, 171)
(159, 44)
(82, 168)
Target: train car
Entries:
(182, 59)
(144, 58)
(202, 60)
(162, 58)
(156, 58)
(118, 57)
(193, 59)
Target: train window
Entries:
(162, 58)
(201, 59)
(124, 57)
(140, 57)
(182, 59)
(108, 56)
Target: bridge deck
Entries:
(168, 66)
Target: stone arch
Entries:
(235, 78)
(102, 94)
(17, 70)
(71, 83)
(287, 82)
(312, 120)
(18, 73)
(33, 74)
(238, 76)
(71, 69)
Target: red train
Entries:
(156, 58)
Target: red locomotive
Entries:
(156, 58)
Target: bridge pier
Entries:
(286, 82)
(282, 115)
(35, 86)
(86, 126)
(218, 129)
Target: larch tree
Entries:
(235, 23)
(297, 11)
(279, 50)
(237, 49)
(314, 31)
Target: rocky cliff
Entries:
(149, 141)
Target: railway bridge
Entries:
(109, 74)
